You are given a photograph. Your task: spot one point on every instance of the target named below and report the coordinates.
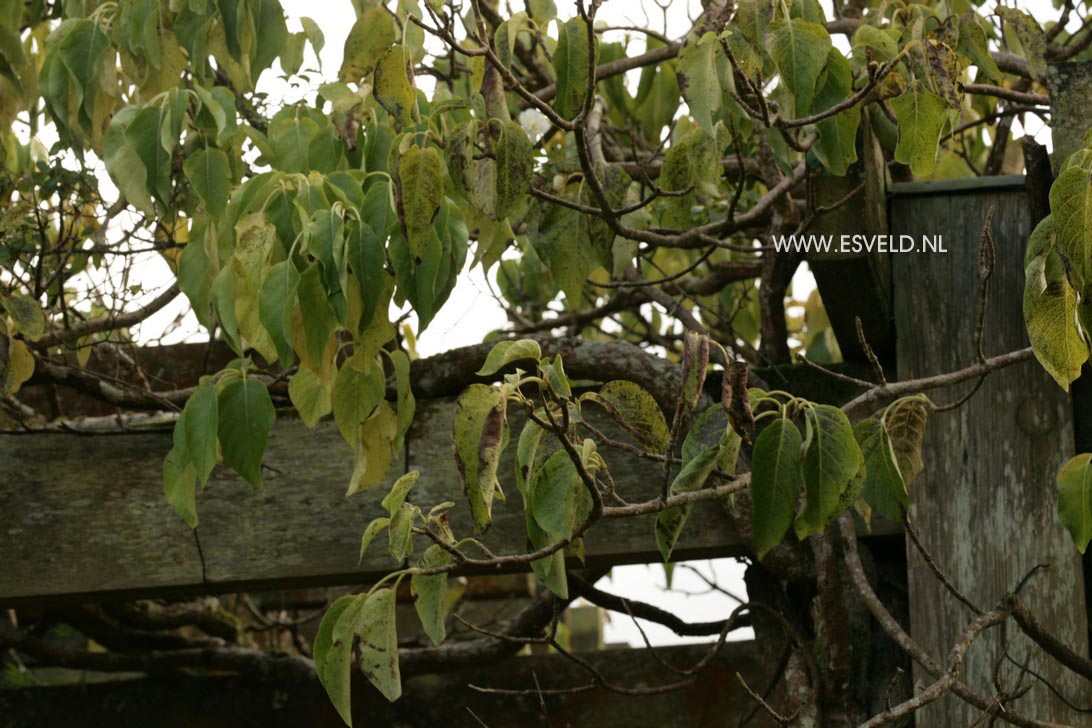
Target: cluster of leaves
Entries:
(1058, 313)
(23, 316)
(796, 481)
(837, 465)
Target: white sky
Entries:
(471, 312)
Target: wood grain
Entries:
(986, 504)
(84, 515)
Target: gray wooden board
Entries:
(84, 515)
(986, 504)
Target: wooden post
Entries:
(851, 284)
(986, 504)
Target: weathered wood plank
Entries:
(714, 699)
(986, 503)
(85, 514)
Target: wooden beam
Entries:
(986, 504)
(715, 697)
(855, 284)
(85, 516)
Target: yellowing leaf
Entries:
(371, 36)
(420, 191)
(310, 396)
(357, 391)
(394, 88)
(884, 489)
(373, 460)
(26, 314)
(481, 433)
(1050, 312)
(921, 115)
(16, 365)
(513, 152)
(635, 410)
(379, 644)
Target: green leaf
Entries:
(884, 488)
(692, 162)
(371, 36)
(401, 488)
(506, 352)
(711, 444)
(570, 61)
(356, 393)
(394, 88)
(921, 115)
(1050, 309)
(276, 307)
(1075, 499)
(201, 429)
(366, 256)
(775, 476)
(420, 190)
(561, 240)
(881, 42)
(179, 476)
(831, 459)
(143, 136)
(406, 402)
(973, 44)
(836, 147)
(314, 35)
(271, 33)
(246, 415)
(428, 593)
(124, 164)
(800, 49)
(26, 314)
(210, 175)
(635, 410)
(318, 320)
(513, 154)
(1071, 211)
(481, 433)
(553, 371)
(311, 396)
(332, 659)
(555, 496)
(696, 69)
(374, 529)
(400, 533)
